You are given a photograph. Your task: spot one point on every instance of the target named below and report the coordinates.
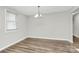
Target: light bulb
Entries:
(40, 15)
(36, 15)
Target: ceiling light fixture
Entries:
(38, 14)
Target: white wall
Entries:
(7, 38)
(76, 25)
(57, 25)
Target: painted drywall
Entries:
(57, 26)
(76, 25)
(8, 37)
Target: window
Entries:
(10, 21)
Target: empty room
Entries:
(39, 29)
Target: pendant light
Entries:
(38, 13)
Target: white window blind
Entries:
(10, 21)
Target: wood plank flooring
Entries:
(76, 42)
(35, 45)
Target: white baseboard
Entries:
(50, 38)
(76, 36)
(31, 37)
(12, 43)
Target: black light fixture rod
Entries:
(39, 10)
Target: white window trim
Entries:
(6, 30)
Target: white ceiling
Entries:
(32, 10)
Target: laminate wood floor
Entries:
(35, 45)
(76, 42)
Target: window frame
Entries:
(6, 21)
